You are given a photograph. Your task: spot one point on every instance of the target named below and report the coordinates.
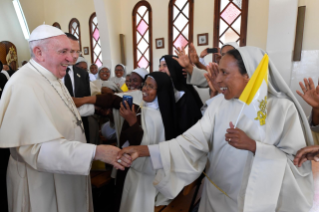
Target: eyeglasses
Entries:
(149, 87)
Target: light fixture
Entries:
(21, 17)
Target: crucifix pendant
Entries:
(79, 123)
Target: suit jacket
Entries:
(81, 82)
(82, 89)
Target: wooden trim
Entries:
(70, 27)
(244, 19)
(216, 27)
(299, 33)
(203, 44)
(243, 26)
(162, 47)
(91, 36)
(150, 28)
(170, 23)
(57, 25)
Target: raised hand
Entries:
(109, 154)
(128, 114)
(183, 60)
(204, 53)
(310, 93)
(193, 54)
(211, 76)
(135, 152)
(238, 139)
(307, 153)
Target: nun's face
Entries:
(149, 90)
(82, 65)
(93, 69)
(163, 68)
(226, 49)
(136, 81)
(105, 74)
(128, 81)
(119, 71)
(230, 81)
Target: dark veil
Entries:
(166, 102)
(189, 105)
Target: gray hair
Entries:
(38, 43)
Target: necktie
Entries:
(68, 83)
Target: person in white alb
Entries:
(244, 172)
(50, 160)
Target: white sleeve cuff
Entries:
(86, 110)
(155, 156)
(202, 61)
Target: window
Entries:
(96, 48)
(230, 24)
(180, 24)
(74, 29)
(142, 35)
(57, 25)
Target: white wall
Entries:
(62, 11)
(11, 30)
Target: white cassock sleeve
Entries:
(202, 61)
(86, 110)
(59, 156)
(197, 78)
(183, 159)
(271, 181)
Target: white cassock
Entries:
(265, 182)
(139, 194)
(197, 78)
(50, 161)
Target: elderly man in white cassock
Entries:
(50, 160)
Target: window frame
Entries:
(91, 38)
(243, 26)
(134, 30)
(170, 24)
(57, 25)
(79, 26)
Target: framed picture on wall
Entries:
(86, 50)
(159, 43)
(202, 39)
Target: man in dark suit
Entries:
(77, 81)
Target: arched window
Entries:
(57, 25)
(180, 24)
(96, 49)
(230, 24)
(142, 35)
(74, 29)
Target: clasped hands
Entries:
(120, 158)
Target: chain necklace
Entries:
(78, 121)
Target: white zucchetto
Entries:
(44, 32)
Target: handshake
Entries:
(120, 158)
